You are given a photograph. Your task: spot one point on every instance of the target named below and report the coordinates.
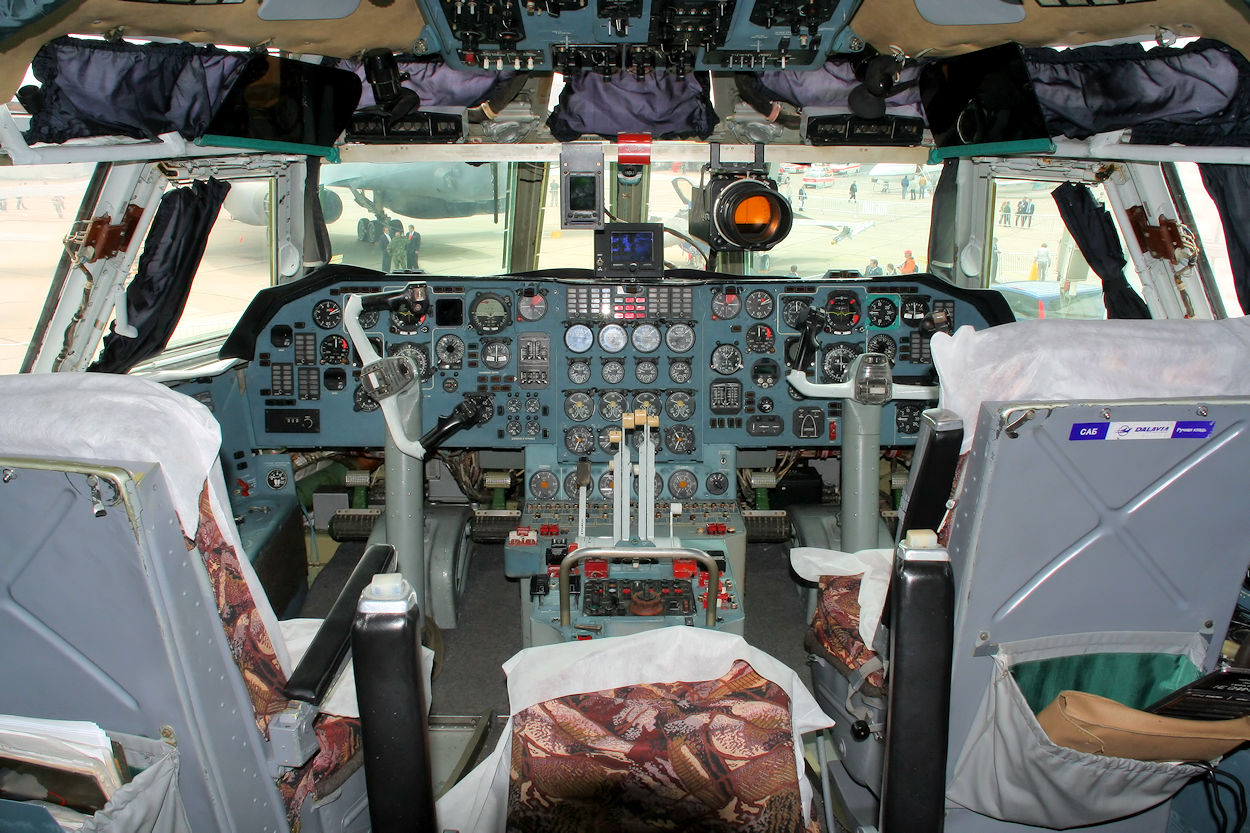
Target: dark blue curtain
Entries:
(1093, 230)
(171, 255)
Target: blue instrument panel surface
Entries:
(561, 360)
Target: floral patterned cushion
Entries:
(711, 756)
(257, 661)
(834, 633)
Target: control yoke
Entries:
(868, 386)
(869, 380)
(384, 378)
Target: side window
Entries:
(236, 265)
(38, 204)
(1210, 232)
(1033, 260)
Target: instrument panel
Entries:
(562, 359)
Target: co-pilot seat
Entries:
(1092, 521)
(125, 600)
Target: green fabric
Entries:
(1136, 680)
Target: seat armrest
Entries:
(312, 677)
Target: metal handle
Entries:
(670, 553)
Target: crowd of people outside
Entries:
(399, 250)
(874, 269)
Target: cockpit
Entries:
(630, 415)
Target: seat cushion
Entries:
(711, 755)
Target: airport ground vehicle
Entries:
(526, 361)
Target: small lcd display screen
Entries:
(625, 247)
(582, 192)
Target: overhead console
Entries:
(561, 358)
(611, 36)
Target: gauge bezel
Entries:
(327, 314)
(752, 304)
(680, 337)
(689, 491)
(579, 338)
(489, 326)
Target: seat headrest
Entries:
(1090, 361)
(96, 417)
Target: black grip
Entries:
(312, 677)
(380, 301)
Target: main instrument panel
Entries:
(561, 359)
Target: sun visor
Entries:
(660, 103)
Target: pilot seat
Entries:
(1089, 548)
(125, 601)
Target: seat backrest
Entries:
(107, 609)
(1095, 496)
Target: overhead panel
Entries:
(611, 36)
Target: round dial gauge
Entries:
(726, 304)
(449, 350)
(335, 379)
(760, 338)
(513, 427)
(765, 404)
(368, 319)
(533, 405)
(679, 338)
(496, 354)
(579, 406)
(679, 439)
(765, 373)
(794, 309)
(680, 405)
(613, 371)
(648, 401)
(914, 308)
(612, 338)
(362, 401)
(843, 311)
(489, 313)
(579, 439)
(836, 363)
(882, 343)
(882, 312)
(404, 320)
(513, 405)
(646, 338)
(907, 418)
(606, 481)
(647, 371)
(327, 314)
(605, 439)
(579, 372)
(635, 438)
(413, 351)
(276, 478)
(726, 359)
(570, 486)
(680, 371)
(532, 428)
(612, 404)
(579, 338)
(335, 350)
(544, 485)
(531, 307)
(682, 484)
(759, 304)
(717, 483)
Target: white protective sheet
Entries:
(1089, 361)
(665, 655)
(876, 566)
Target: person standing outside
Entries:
(1020, 209)
(1004, 214)
(903, 191)
(1042, 259)
(854, 191)
(384, 240)
(909, 264)
(794, 271)
(413, 246)
(398, 250)
(924, 185)
(873, 269)
(802, 197)
(1029, 207)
